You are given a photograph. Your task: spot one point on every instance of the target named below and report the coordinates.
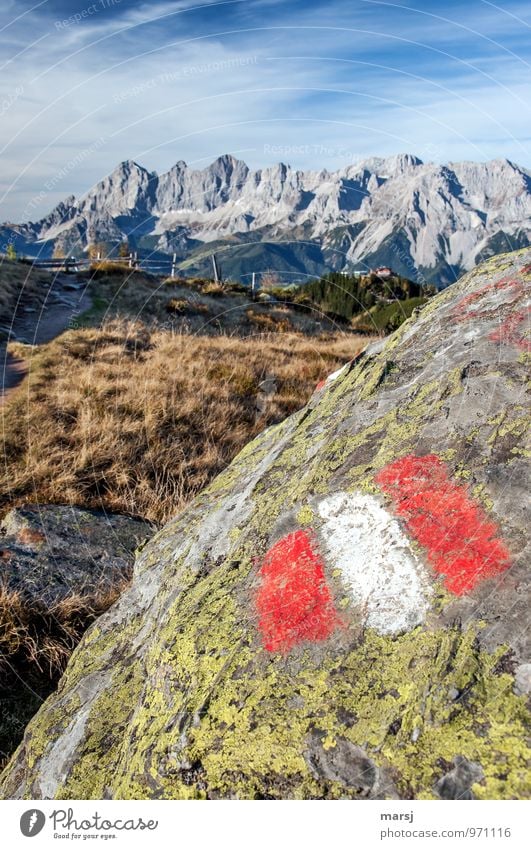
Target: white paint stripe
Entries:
(335, 374)
(385, 578)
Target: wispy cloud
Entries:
(324, 83)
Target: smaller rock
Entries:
(522, 679)
(342, 761)
(49, 552)
(457, 782)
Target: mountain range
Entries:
(427, 221)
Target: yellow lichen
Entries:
(305, 515)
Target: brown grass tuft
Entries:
(106, 268)
(43, 637)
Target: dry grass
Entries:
(186, 306)
(104, 268)
(213, 289)
(140, 420)
(35, 645)
(43, 636)
(271, 321)
(20, 284)
(197, 306)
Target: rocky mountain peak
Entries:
(425, 220)
(402, 163)
(229, 168)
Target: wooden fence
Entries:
(69, 264)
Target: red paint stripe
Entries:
(461, 311)
(293, 602)
(320, 385)
(462, 543)
(511, 331)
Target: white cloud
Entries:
(162, 92)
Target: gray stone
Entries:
(342, 761)
(48, 552)
(522, 679)
(457, 783)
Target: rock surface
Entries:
(48, 552)
(253, 657)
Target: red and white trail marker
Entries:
(370, 546)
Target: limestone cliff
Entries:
(426, 220)
(342, 613)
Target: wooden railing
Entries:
(132, 260)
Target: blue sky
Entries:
(88, 83)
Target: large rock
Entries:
(342, 612)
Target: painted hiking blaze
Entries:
(386, 579)
(388, 585)
(462, 543)
(331, 377)
(514, 329)
(294, 602)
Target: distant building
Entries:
(383, 271)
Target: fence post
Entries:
(173, 265)
(215, 267)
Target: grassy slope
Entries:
(139, 414)
(140, 420)
(20, 284)
(384, 318)
(198, 306)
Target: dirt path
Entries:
(66, 299)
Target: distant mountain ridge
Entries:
(429, 222)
